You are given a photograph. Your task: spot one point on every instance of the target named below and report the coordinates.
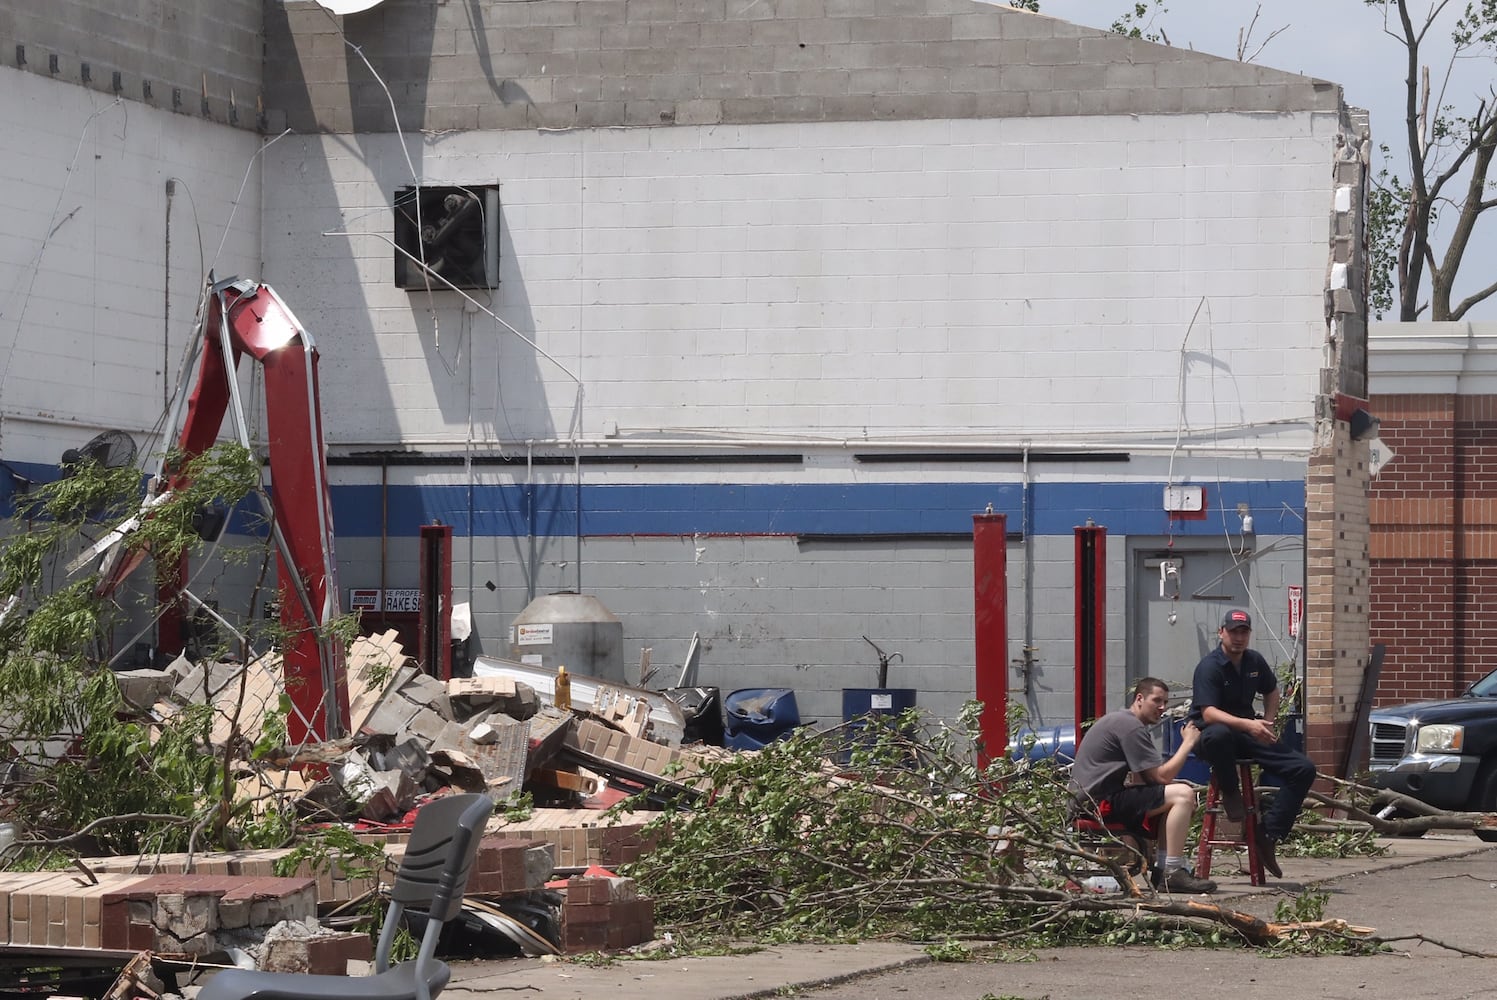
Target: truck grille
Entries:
(1389, 740)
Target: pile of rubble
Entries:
(543, 882)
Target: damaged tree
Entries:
(907, 838)
(87, 770)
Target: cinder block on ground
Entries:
(307, 948)
(428, 692)
(143, 688)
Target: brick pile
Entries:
(604, 745)
(196, 914)
(503, 865)
(604, 913)
(582, 837)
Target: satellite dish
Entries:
(348, 6)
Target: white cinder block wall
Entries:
(987, 279)
(92, 332)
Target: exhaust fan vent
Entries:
(447, 237)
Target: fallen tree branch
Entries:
(1422, 939)
(1427, 817)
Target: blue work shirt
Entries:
(1232, 689)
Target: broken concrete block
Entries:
(389, 717)
(185, 916)
(306, 947)
(410, 757)
(377, 794)
(483, 734)
(426, 726)
(428, 692)
(539, 864)
(394, 797)
(547, 732)
(501, 761)
(143, 688)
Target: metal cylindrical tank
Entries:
(571, 630)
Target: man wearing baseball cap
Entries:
(1227, 681)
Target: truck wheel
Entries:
(1485, 799)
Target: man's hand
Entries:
(1260, 731)
(1189, 735)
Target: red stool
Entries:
(1248, 835)
(1143, 850)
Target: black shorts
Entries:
(1128, 807)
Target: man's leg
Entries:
(1221, 746)
(1177, 812)
(1296, 773)
(1174, 818)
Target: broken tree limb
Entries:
(1426, 817)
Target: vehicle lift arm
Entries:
(245, 317)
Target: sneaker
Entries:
(1183, 881)
(1233, 806)
(1270, 862)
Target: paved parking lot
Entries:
(1443, 886)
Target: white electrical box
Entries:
(1184, 499)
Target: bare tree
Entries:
(1449, 159)
(1247, 48)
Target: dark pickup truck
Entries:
(1441, 752)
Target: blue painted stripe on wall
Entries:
(833, 509)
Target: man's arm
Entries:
(1258, 729)
(1271, 706)
(1167, 772)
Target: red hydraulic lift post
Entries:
(436, 600)
(1091, 624)
(990, 606)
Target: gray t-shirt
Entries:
(1114, 745)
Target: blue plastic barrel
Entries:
(859, 705)
(858, 702)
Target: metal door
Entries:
(1177, 596)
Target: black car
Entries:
(1441, 752)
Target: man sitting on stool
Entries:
(1118, 744)
(1226, 681)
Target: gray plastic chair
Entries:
(431, 878)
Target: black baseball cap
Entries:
(1237, 618)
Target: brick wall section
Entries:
(1337, 588)
(505, 64)
(53, 910)
(1434, 544)
(604, 913)
(1337, 532)
(181, 914)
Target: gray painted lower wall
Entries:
(772, 612)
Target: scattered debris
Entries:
(415, 737)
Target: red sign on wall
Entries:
(1296, 609)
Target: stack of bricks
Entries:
(503, 865)
(183, 914)
(333, 884)
(604, 744)
(52, 909)
(500, 867)
(582, 837)
(604, 913)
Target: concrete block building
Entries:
(768, 300)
